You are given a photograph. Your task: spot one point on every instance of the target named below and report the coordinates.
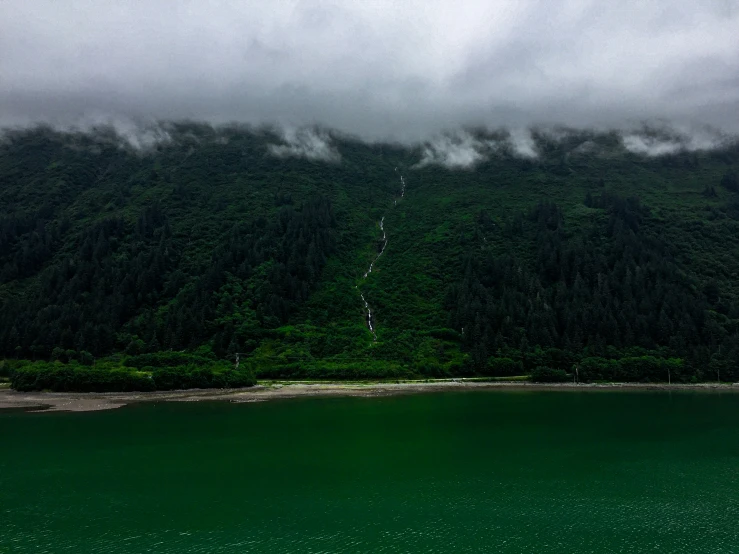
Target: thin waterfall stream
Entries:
(381, 223)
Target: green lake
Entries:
(482, 471)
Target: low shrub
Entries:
(195, 377)
(503, 367)
(543, 374)
(166, 359)
(60, 377)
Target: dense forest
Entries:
(128, 268)
(612, 290)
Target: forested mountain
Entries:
(213, 242)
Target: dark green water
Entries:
(454, 472)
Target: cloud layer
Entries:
(665, 139)
(378, 69)
(310, 143)
(464, 149)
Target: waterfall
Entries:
(381, 223)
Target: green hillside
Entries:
(209, 244)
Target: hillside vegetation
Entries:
(215, 243)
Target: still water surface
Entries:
(475, 471)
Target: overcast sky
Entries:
(378, 68)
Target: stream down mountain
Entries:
(381, 223)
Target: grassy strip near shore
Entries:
(181, 371)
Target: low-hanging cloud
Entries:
(381, 69)
(308, 142)
(453, 151)
(139, 135)
(523, 143)
(663, 140)
(465, 149)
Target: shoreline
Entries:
(89, 402)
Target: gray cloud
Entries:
(464, 149)
(307, 142)
(455, 151)
(140, 135)
(664, 139)
(379, 69)
(523, 143)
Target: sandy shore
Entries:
(86, 402)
